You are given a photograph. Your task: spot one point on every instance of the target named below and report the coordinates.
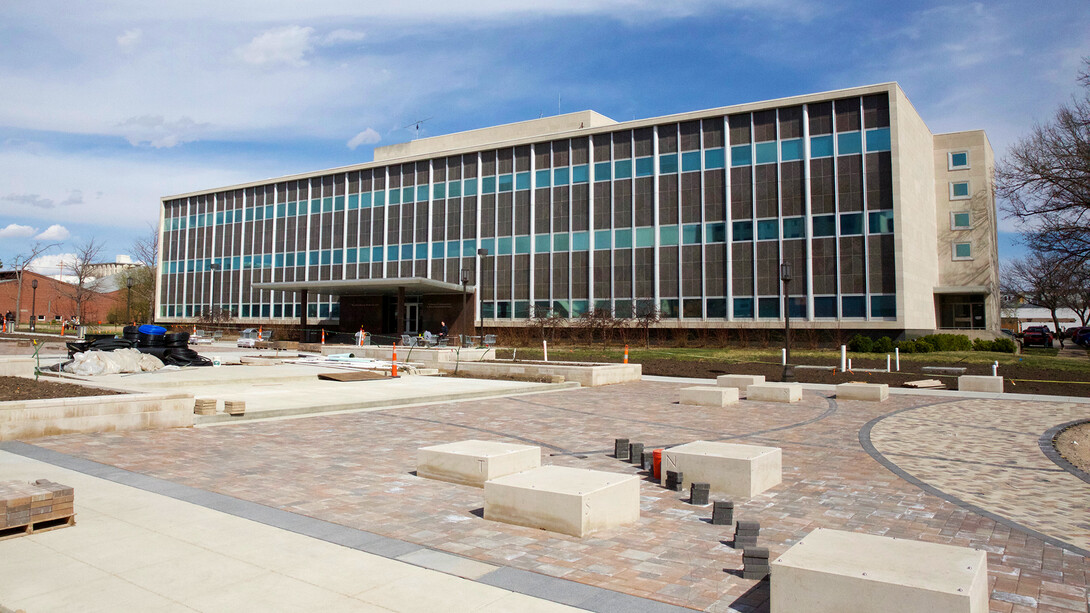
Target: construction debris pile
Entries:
(141, 348)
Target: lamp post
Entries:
(465, 300)
(785, 276)
(33, 305)
(128, 300)
(211, 288)
(482, 254)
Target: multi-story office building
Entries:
(887, 226)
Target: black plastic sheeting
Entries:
(173, 348)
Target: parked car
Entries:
(1037, 336)
(1080, 335)
(1008, 333)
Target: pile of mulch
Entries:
(18, 388)
(1018, 379)
(1074, 445)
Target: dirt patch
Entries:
(1074, 445)
(18, 388)
(508, 377)
(1017, 379)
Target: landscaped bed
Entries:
(20, 388)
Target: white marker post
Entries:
(545, 349)
(995, 368)
(843, 358)
(783, 357)
(887, 363)
(897, 355)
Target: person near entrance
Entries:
(443, 329)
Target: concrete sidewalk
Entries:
(134, 550)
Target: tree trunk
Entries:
(18, 297)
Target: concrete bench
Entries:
(573, 501)
(980, 383)
(775, 392)
(475, 462)
(729, 468)
(830, 571)
(872, 392)
(742, 382)
(709, 396)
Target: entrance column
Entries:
(303, 308)
(400, 311)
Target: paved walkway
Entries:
(356, 470)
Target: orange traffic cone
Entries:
(323, 336)
(393, 369)
(626, 354)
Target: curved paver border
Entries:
(1047, 442)
(864, 440)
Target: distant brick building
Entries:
(53, 300)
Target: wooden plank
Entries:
(353, 375)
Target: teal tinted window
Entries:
(667, 235)
(338, 203)
(454, 188)
(506, 183)
(522, 180)
(669, 308)
(578, 308)
(395, 196)
(794, 227)
(961, 221)
(645, 237)
(849, 143)
(454, 249)
(824, 225)
(881, 222)
(602, 171)
(601, 239)
(878, 140)
(959, 190)
(622, 239)
(469, 248)
(489, 245)
(219, 218)
(338, 256)
(963, 251)
(791, 150)
(560, 176)
(541, 178)
(580, 174)
(853, 306)
(503, 245)
(522, 309)
(645, 167)
(353, 203)
(408, 194)
(407, 252)
(741, 155)
(289, 261)
(690, 161)
(768, 229)
(488, 185)
(542, 243)
(522, 244)
(690, 234)
(437, 250)
(580, 241)
(668, 163)
(560, 308)
(742, 231)
(959, 160)
(622, 169)
(825, 306)
(797, 306)
(714, 158)
(278, 261)
(291, 209)
(365, 201)
(766, 153)
(439, 191)
(768, 307)
(883, 306)
(376, 254)
(316, 257)
(716, 232)
(851, 224)
(821, 146)
(379, 199)
(743, 308)
(716, 307)
(469, 187)
(560, 242)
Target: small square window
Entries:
(958, 160)
(959, 190)
(960, 220)
(963, 251)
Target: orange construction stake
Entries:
(393, 369)
(323, 336)
(626, 354)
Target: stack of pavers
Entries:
(205, 406)
(234, 407)
(746, 533)
(29, 507)
(755, 563)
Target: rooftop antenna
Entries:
(417, 124)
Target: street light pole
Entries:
(128, 300)
(33, 305)
(465, 301)
(482, 253)
(788, 369)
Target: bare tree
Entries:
(1043, 280)
(20, 265)
(1045, 179)
(647, 315)
(145, 249)
(545, 320)
(81, 266)
(1077, 298)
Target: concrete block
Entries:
(833, 571)
(873, 392)
(620, 448)
(635, 452)
(742, 382)
(729, 468)
(980, 383)
(475, 462)
(698, 494)
(775, 392)
(573, 501)
(16, 367)
(723, 513)
(709, 396)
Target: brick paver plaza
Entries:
(947, 470)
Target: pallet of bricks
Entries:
(26, 508)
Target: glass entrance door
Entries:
(412, 317)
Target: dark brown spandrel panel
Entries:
(822, 186)
(603, 205)
(741, 192)
(821, 118)
(504, 214)
(714, 195)
(824, 265)
(365, 227)
(876, 111)
(542, 156)
(790, 122)
(767, 197)
(601, 146)
(454, 219)
(690, 197)
(339, 184)
(849, 169)
(603, 270)
(622, 274)
(505, 160)
(580, 275)
(645, 272)
(560, 153)
(366, 184)
(503, 277)
(643, 200)
(794, 251)
(488, 163)
(764, 126)
(715, 269)
(438, 220)
(690, 135)
(791, 200)
(668, 200)
(469, 166)
(883, 276)
(438, 171)
(421, 222)
(691, 271)
(879, 180)
(422, 170)
(541, 276)
(852, 265)
(713, 132)
(768, 268)
(454, 168)
(521, 281)
(560, 276)
(542, 210)
(668, 273)
(561, 210)
(580, 207)
(522, 212)
(407, 218)
(668, 138)
(580, 150)
(847, 115)
(742, 268)
(522, 158)
(488, 216)
(643, 138)
(739, 129)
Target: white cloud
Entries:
(285, 45)
(156, 131)
(337, 37)
(55, 232)
(14, 230)
(130, 39)
(34, 200)
(367, 137)
(51, 265)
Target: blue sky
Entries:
(104, 109)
